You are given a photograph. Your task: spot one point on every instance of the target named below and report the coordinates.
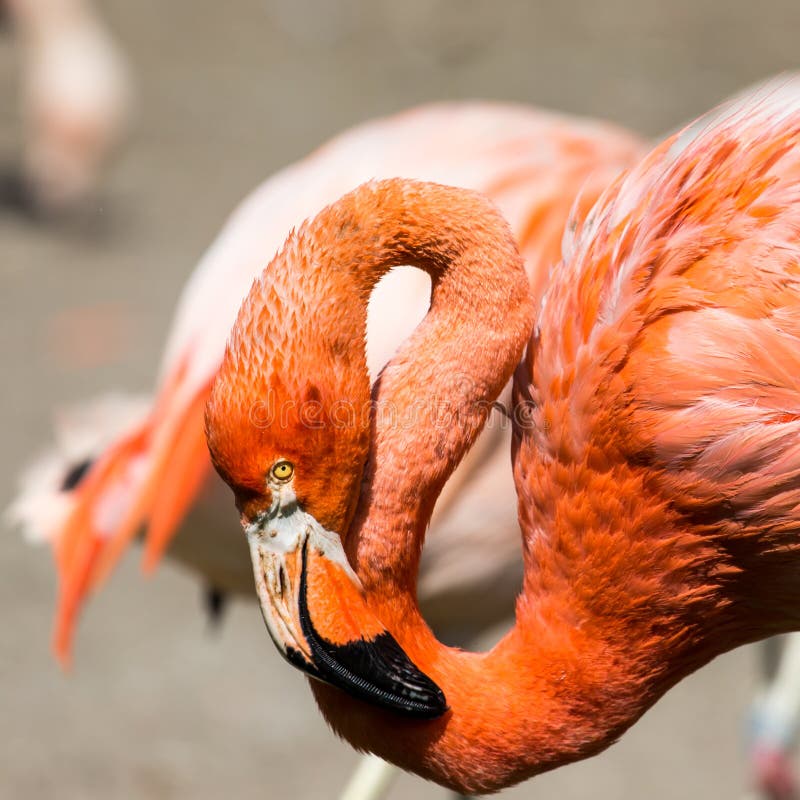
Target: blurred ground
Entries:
(157, 707)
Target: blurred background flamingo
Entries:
(116, 471)
(774, 720)
(75, 102)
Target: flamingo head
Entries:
(288, 425)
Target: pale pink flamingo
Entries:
(540, 168)
(774, 722)
(76, 99)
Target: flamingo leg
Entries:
(371, 779)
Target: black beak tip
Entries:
(379, 671)
(375, 670)
(438, 705)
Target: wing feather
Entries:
(671, 335)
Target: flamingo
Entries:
(121, 464)
(76, 99)
(655, 448)
(531, 162)
(775, 716)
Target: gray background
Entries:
(156, 707)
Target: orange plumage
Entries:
(655, 454)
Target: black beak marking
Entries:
(375, 670)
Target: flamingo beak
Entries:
(278, 578)
(316, 614)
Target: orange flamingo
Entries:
(655, 455)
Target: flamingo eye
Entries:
(282, 470)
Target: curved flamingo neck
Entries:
(426, 412)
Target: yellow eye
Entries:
(282, 470)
